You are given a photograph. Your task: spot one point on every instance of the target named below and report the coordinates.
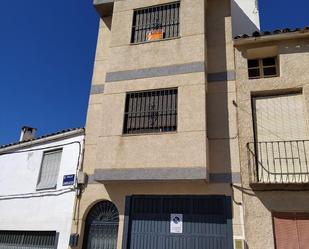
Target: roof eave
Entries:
(269, 38)
(43, 140)
(104, 7)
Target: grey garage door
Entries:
(202, 222)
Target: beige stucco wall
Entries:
(189, 48)
(219, 37)
(293, 63)
(206, 130)
(189, 143)
(106, 111)
(221, 113)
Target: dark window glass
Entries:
(270, 71)
(156, 23)
(151, 111)
(254, 73)
(253, 63)
(262, 68)
(269, 61)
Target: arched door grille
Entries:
(102, 226)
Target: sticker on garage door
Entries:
(176, 223)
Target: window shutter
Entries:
(285, 232)
(280, 118)
(49, 170)
(281, 132)
(291, 230)
(303, 230)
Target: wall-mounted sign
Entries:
(68, 180)
(155, 34)
(176, 223)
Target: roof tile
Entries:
(41, 137)
(274, 32)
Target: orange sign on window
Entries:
(156, 34)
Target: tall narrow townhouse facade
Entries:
(161, 149)
(273, 103)
(38, 189)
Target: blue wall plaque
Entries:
(68, 180)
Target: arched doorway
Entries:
(101, 228)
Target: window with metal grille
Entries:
(27, 239)
(49, 170)
(156, 23)
(151, 111)
(263, 68)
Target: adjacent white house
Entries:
(245, 16)
(38, 189)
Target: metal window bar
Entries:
(279, 161)
(151, 111)
(164, 17)
(27, 239)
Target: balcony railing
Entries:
(279, 162)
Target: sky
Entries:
(47, 52)
(283, 13)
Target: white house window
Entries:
(49, 170)
(28, 239)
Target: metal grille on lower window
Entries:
(151, 111)
(155, 23)
(27, 239)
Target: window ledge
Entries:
(160, 40)
(265, 77)
(46, 189)
(149, 134)
(279, 186)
